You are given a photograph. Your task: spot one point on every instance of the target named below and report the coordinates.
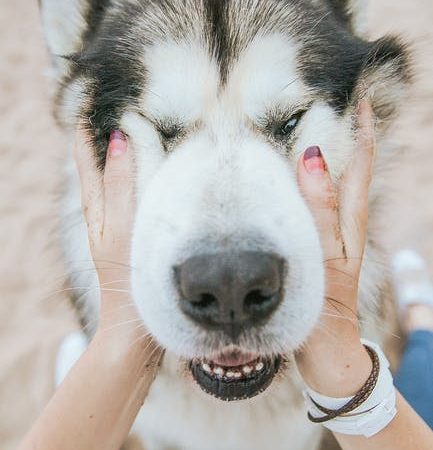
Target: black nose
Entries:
(230, 291)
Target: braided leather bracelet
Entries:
(361, 396)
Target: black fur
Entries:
(340, 8)
(332, 59)
(116, 77)
(94, 16)
(335, 60)
(217, 34)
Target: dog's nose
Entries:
(230, 291)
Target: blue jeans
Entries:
(414, 378)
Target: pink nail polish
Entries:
(313, 160)
(118, 144)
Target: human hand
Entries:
(98, 402)
(108, 206)
(333, 360)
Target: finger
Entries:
(118, 183)
(356, 183)
(318, 190)
(90, 182)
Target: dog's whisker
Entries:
(104, 261)
(342, 304)
(349, 275)
(341, 317)
(122, 324)
(123, 291)
(150, 357)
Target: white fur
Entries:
(223, 182)
(71, 348)
(359, 10)
(63, 25)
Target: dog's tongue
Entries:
(234, 358)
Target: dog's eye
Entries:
(286, 129)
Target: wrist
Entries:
(367, 412)
(131, 348)
(119, 319)
(335, 369)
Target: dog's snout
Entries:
(230, 291)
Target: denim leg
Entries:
(414, 378)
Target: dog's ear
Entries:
(353, 13)
(67, 24)
(385, 78)
(386, 69)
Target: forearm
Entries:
(339, 369)
(96, 405)
(406, 431)
(333, 362)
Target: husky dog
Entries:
(219, 98)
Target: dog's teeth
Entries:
(218, 371)
(230, 374)
(238, 374)
(247, 370)
(206, 367)
(259, 366)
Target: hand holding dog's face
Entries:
(108, 203)
(334, 351)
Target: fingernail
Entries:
(118, 144)
(313, 160)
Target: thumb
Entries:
(318, 191)
(118, 182)
(92, 193)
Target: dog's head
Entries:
(219, 98)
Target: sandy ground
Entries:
(33, 316)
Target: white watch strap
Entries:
(370, 417)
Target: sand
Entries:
(33, 316)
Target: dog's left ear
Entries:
(67, 24)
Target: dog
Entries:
(219, 98)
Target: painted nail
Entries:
(118, 144)
(313, 160)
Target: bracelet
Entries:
(355, 401)
(366, 413)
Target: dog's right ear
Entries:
(351, 12)
(66, 25)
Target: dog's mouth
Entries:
(235, 375)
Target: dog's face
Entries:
(219, 99)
